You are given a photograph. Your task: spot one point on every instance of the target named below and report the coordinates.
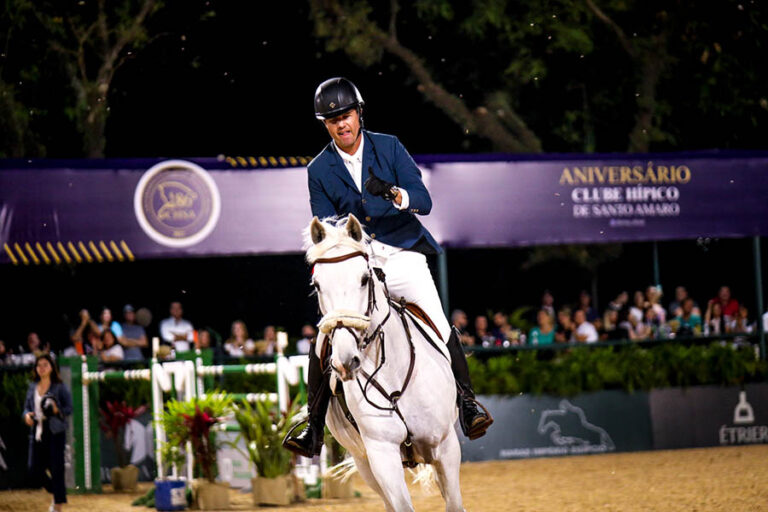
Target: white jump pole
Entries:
(159, 382)
(86, 426)
(198, 364)
(189, 394)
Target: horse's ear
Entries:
(354, 229)
(317, 231)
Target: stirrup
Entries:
(480, 425)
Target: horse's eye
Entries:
(364, 280)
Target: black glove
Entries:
(378, 187)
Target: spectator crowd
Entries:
(641, 318)
(111, 341)
(644, 317)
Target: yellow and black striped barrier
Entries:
(68, 252)
(267, 161)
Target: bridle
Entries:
(352, 321)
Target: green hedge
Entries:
(564, 373)
(629, 367)
(13, 392)
(247, 383)
(13, 431)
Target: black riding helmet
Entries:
(336, 96)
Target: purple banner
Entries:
(173, 208)
(600, 200)
(54, 212)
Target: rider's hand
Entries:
(378, 187)
(29, 419)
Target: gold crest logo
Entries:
(332, 105)
(177, 203)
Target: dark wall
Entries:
(274, 289)
(214, 291)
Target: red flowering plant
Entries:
(193, 422)
(114, 417)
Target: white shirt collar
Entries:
(357, 156)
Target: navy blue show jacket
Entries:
(332, 192)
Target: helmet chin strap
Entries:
(360, 130)
(360, 117)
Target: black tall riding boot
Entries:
(309, 441)
(473, 422)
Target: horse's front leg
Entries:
(364, 468)
(387, 467)
(446, 466)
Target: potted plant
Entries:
(192, 422)
(337, 481)
(263, 429)
(170, 493)
(114, 417)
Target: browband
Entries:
(343, 257)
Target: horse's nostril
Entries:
(354, 364)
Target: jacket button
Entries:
(363, 201)
(373, 235)
(368, 219)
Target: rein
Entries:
(327, 325)
(394, 396)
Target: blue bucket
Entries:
(170, 495)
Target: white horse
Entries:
(365, 330)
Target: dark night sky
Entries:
(243, 84)
(252, 92)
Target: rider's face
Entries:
(343, 129)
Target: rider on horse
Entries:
(372, 176)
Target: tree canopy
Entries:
(494, 75)
(570, 75)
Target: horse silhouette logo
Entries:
(177, 203)
(568, 426)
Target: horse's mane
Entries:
(335, 236)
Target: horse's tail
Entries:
(343, 470)
(424, 475)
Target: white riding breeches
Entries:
(408, 275)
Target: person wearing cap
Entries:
(134, 337)
(372, 176)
